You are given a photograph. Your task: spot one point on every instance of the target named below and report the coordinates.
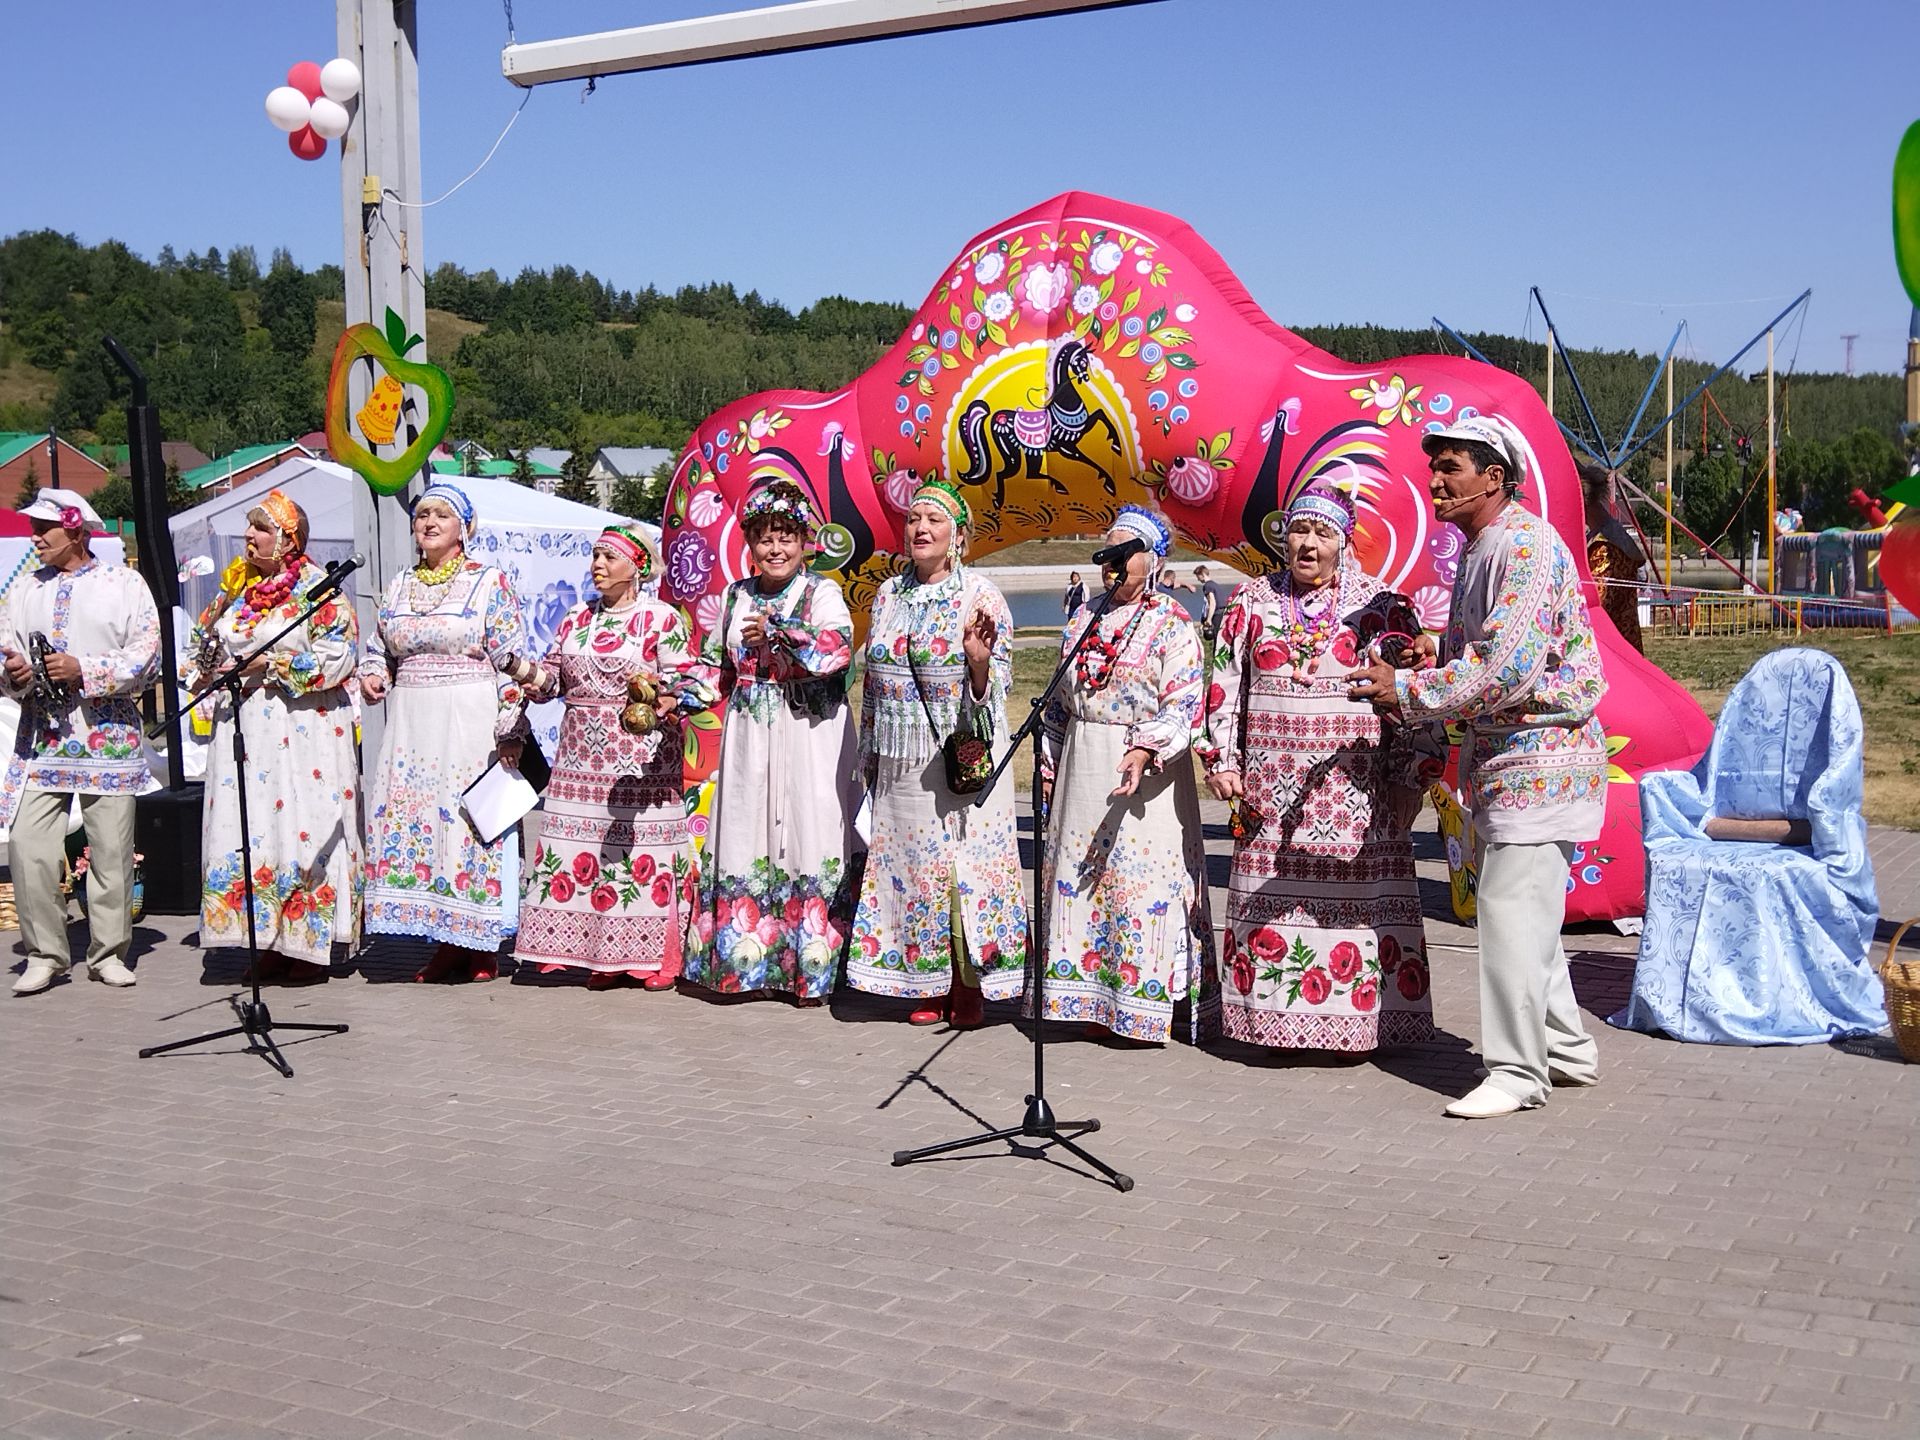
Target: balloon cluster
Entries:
(312, 106)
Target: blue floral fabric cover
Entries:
(1752, 944)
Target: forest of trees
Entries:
(235, 354)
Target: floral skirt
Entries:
(610, 884)
(928, 844)
(303, 809)
(776, 883)
(1128, 927)
(1324, 952)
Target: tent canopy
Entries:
(542, 542)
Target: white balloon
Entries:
(330, 119)
(287, 108)
(339, 80)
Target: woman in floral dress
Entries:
(1128, 932)
(303, 802)
(440, 657)
(1324, 947)
(941, 916)
(776, 891)
(611, 883)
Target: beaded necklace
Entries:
(440, 574)
(263, 597)
(1099, 655)
(430, 584)
(1306, 633)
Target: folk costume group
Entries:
(1319, 714)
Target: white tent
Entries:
(542, 542)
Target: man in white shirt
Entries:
(79, 735)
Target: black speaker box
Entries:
(166, 832)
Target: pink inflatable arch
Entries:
(1089, 352)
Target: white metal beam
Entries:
(807, 25)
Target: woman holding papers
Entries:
(440, 657)
(303, 795)
(611, 883)
(776, 893)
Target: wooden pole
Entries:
(383, 258)
(1772, 476)
(1670, 474)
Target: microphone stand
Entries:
(1039, 1122)
(255, 1021)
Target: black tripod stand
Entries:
(1038, 1123)
(255, 1022)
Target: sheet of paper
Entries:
(498, 799)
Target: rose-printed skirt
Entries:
(610, 882)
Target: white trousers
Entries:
(37, 849)
(1528, 1017)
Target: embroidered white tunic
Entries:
(935, 855)
(428, 872)
(303, 780)
(104, 615)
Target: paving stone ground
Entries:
(512, 1210)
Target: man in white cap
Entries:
(79, 736)
(1519, 668)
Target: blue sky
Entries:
(1642, 163)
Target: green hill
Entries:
(237, 352)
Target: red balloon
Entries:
(1900, 559)
(307, 145)
(305, 77)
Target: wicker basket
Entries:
(9, 916)
(1902, 979)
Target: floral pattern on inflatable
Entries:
(1089, 353)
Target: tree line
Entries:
(235, 355)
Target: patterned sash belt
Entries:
(442, 670)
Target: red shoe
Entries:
(552, 967)
(654, 980)
(445, 962)
(305, 972)
(603, 979)
(927, 1017)
(486, 967)
(271, 967)
(808, 1002)
(966, 1007)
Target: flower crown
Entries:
(782, 500)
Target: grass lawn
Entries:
(1885, 670)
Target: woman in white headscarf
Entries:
(1127, 931)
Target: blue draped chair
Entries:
(1759, 944)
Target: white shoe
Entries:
(36, 978)
(1489, 1102)
(1562, 1077)
(113, 972)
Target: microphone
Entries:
(1447, 507)
(336, 576)
(1118, 555)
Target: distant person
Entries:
(1213, 597)
(1076, 595)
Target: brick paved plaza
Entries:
(510, 1210)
